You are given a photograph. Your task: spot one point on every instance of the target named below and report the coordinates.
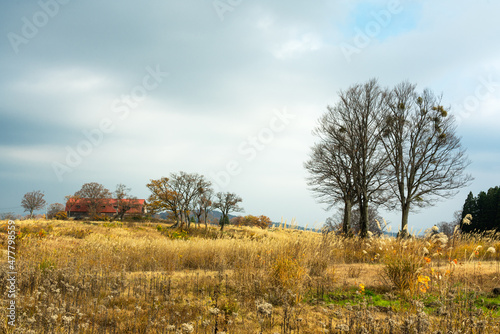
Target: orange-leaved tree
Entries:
(249, 220)
(163, 198)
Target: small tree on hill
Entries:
(33, 201)
(227, 202)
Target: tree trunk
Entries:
(177, 222)
(405, 211)
(363, 226)
(223, 220)
(346, 227)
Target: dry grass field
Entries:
(89, 277)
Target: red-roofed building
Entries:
(79, 208)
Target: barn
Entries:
(79, 208)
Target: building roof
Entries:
(80, 205)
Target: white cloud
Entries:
(29, 155)
(297, 46)
(61, 81)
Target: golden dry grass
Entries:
(146, 278)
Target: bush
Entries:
(286, 273)
(261, 221)
(61, 215)
(101, 217)
(402, 268)
(173, 234)
(77, 233)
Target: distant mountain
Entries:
(214, 217)
(295, 227)
(217, 215)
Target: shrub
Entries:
(318, 265)
(173, 234)
(101, 217)
(249, 220)
(78, 233)
(402, 268)
(286, 273)
(61, 215)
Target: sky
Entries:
(127, 91)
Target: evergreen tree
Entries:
(484, 209)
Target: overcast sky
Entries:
(127, 91)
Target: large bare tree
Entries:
(331, 173)
(426, 158)
(350, 146)
(33, 201)
(95, 196)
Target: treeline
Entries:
(484, 209)
(187, 197)
(187, 194)
(395, 147)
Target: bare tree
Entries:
(54, 209)
(330, 171)
(203, 204)
(353, 169)
(8, 216)
(33, 201)
(227, 202)
(331, 226)
(375, 225)
(426, 158)
(124, 201)
(70, 201)
(207, 204)
(449, 228)
(95, 196)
